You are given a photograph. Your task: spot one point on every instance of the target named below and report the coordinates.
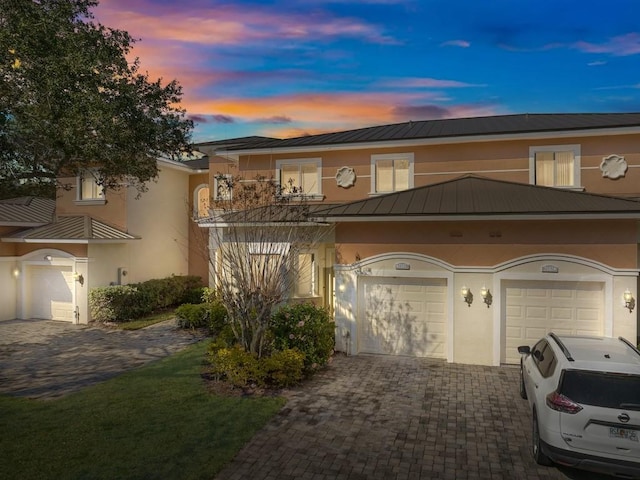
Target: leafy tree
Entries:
(70, 99)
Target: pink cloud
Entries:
(231, 24)
(413, 82)
(456, 43)
(620, 46)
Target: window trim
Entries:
(409, 156)
(317, 161)
(101, 200)
(215, 195)
(314, 274)
(577, 161)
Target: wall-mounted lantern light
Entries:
(629, 301)
(48, 258)
(78, 278)
(486, 296)
(467, 295)
(15, 272)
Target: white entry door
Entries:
(50, 294)
(534, 308)
(402, 316)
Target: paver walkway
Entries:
(392, 418)
(47, 359)
(365, 417)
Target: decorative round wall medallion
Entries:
(345, 177)
(613, 166)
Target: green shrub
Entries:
(171, 291)
(192, 316)
(307, 328)
(238, 367)
(212, 316)
(284, 368)
(118, 303)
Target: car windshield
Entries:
(602, 389)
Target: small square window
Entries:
(391, 172)
(223, 187)
(300, 177)
(555, 166)
(88, 187)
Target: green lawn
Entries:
(156, 422)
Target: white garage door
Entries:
(401, 316)
(534, 308)
(51, 292)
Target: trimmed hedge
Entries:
(212, 316)
(121, 303)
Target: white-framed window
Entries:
(201, 201)
(555, 166)
(88, 188)
(391, 172)
(300, 176)
(222, 189)
(306, 284)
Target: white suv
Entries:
(584, 394)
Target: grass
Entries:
(156, 422)
(146, 321)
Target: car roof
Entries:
(601, 354)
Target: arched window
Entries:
(201, 201)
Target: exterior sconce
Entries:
(15, 272)
(629, 301)
(48, 258)
(486, 296)
(78, 278)
(467, 295)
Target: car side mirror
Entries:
(524, 349)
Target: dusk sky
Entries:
(289, 68)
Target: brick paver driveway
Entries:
(376, 417)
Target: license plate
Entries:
(624, 433)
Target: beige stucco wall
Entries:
(506, 160)
(9, 282)
(612, 242)
(161, 217)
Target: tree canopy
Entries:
(70, 99)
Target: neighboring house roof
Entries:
(72, 229)
(26, 211)
(233, 142)
(472, 197)
(500, 125)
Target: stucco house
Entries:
(457, 239)
(461, 239)
(52, 252)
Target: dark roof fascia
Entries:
(548, 126)
(479, 217)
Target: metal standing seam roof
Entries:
(456, 127)
(472, 195)
(27, 211)
(72, 228)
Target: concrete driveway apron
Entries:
(47, 359)
(377, 417)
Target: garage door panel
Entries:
(51, 292)
(402, 317)
(533, 308)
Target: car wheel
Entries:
(523, 390)
(539, 457)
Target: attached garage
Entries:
(533, 308)
(402, 316)
(50, 292)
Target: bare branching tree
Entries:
(261, 241)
